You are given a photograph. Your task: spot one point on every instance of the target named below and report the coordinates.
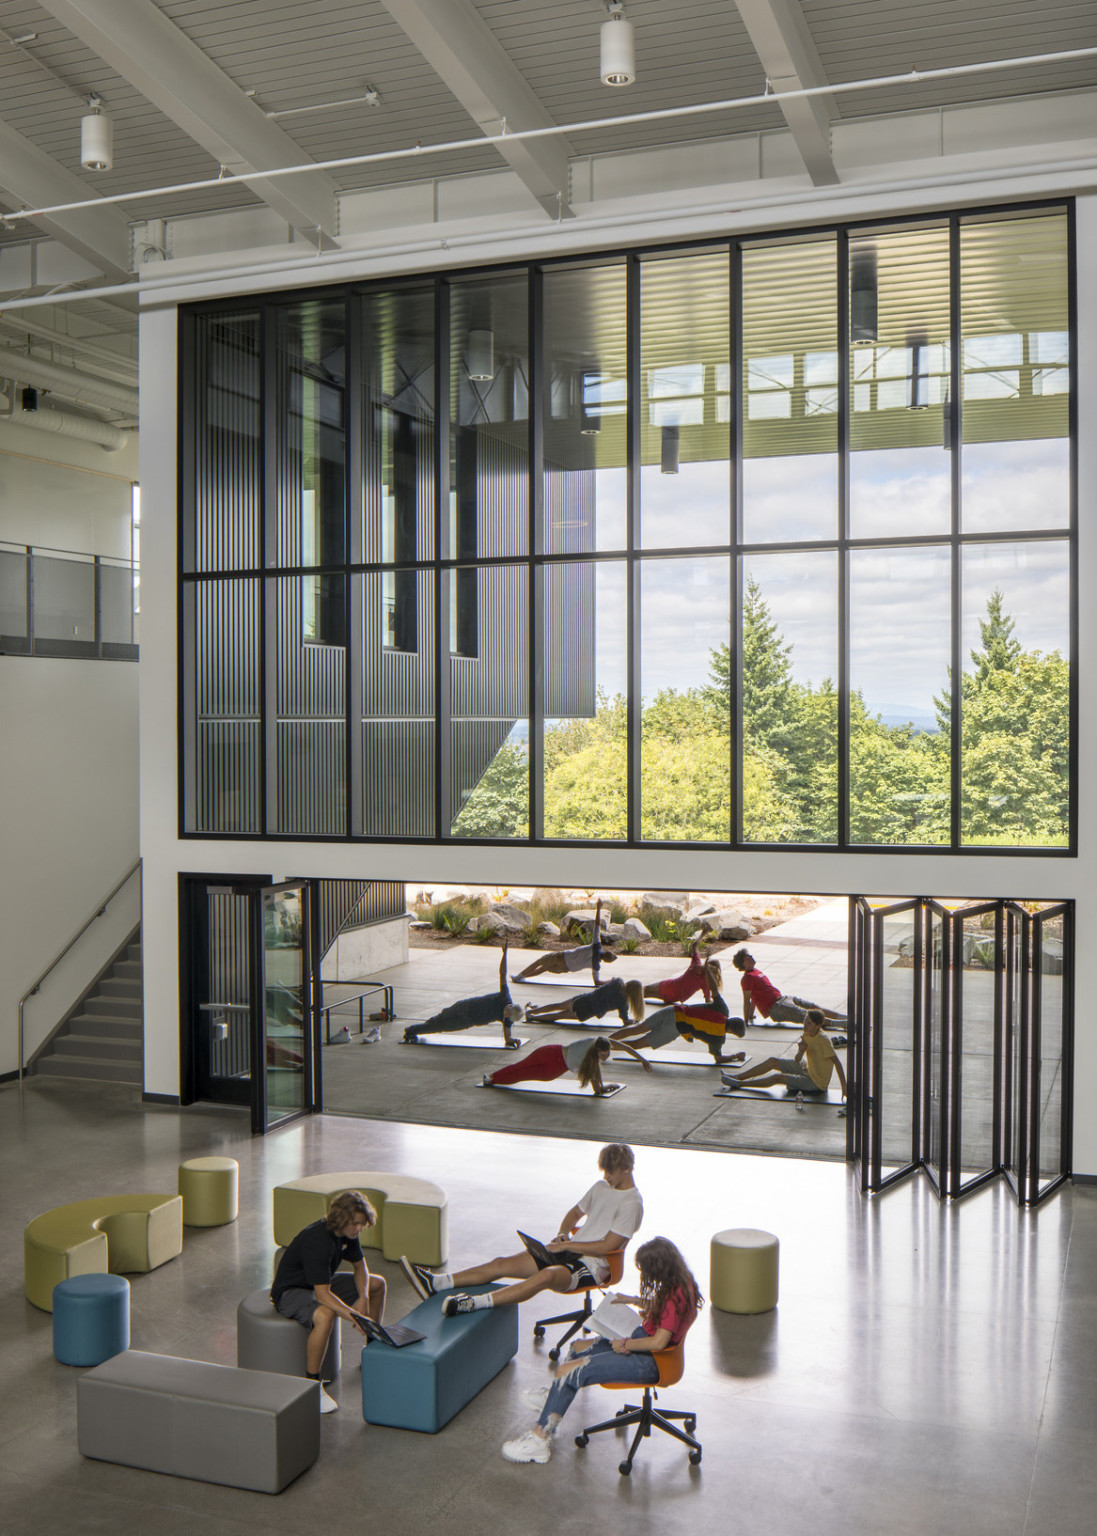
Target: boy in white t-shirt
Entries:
(605, 1217)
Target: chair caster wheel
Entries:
(554, 1354)
(695, 1458)
(538, 1331)
(690, 1425)
(625, 1468)
(581, 1440)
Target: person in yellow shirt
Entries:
(809, 1072)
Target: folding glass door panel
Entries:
(936, 1030)
(284, 1019)
(887, 1004)
(974, 1047)
(1050, 1096)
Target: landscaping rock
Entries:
(633, 928)
(548, 896)
(669, 904)
(584, 917)
(513, 916)
(726, 925)
(496, 923)
(698, 910)
(549, 931)
(521, 903)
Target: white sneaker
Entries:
(535, 1397)
(327, 1403)
(528, 1447)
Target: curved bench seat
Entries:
(115, 1234)
(411, 1213)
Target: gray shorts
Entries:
(798, 1081)
(299, 1302)
(661, 1029)
(789, 1010)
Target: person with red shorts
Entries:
(548, 1062)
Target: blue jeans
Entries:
(600, 1363)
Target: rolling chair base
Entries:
(646, 1417)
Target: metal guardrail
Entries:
(56, 961)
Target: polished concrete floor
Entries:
(928, 1370)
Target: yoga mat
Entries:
(669, 1058)
(778, 1095)
(560, 1089)
(571, 981)
(473, 1042)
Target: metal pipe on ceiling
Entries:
(80, 388)
(661, 114)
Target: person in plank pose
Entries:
(624, 997)
(818, 1057)
(560, 962)
(548, 1062)
(687, 1021)
(699, 976)
(761, 996)
(489, 1008)
(599, 1223)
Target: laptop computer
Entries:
(541, 1256)
(390, 1333)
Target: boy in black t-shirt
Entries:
(307, 1288)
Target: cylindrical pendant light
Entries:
(481, 355)
(96, 138)
(618, 51)
(668, 451)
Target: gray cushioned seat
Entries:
(247, 1429)
(267, 1341)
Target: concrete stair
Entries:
(102, 1039)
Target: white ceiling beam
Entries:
(142, 45)
(788, 55)
(466, 55)
(29, 178)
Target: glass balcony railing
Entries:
(57, 602)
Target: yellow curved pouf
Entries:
(210, 1189)
(119, 1234)
(743, 1265)
(411, 1213)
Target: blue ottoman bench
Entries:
(91, 1318)
(423, 1385)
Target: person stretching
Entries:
(548, 1062)
(760, 994)
(307, 1288)
(605, 1218)
(819, 1058)
(686, 1021)
(669, 1301)
(489, 1008)
(559, 961)
(699, 976)
(627, 997)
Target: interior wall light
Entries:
(668, 451)
(863, 297)
(96, 138)
(919, 372)
(481, 355)
(618, 46)
(590, 409)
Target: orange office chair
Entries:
(670, 1363)
(616, 1262)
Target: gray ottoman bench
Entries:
(247, 1429)
(267, 1341)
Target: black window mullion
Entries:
(268, 608)
(955, 430)
(442, 595)
(632, 544)
(354, 426)
(735, 630)
(536, 541)
(843, 540)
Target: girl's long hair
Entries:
(663, 1271)
(634, 991)
(589, 1071)
(714, 974)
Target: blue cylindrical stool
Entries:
(91, 1319)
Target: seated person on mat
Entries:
(560, 961)
(760, 993)
(703, 976)
(813, 1077)
(307, 1288)
(489, 1008)
(669, 1300)
(685, 1022)
(548, 1062)
(610, 1212)
(627, 997)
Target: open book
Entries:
(613, 1320)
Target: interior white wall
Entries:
(1032, 877)
(68, 815)
(64, 494)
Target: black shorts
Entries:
(299, 1301)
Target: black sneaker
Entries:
(419, 1277)
(456, 1303)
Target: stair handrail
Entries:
(56, 961)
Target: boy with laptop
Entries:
(603, 1220)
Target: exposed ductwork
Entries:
(80, 388)
(63, 423)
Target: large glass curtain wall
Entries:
(753, 542)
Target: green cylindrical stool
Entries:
(210, 1190)
(743, 1270)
